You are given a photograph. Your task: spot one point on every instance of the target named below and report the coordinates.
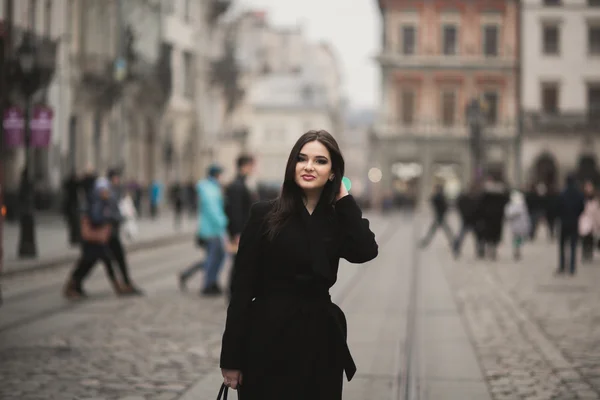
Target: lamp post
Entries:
(28, 68)
(475, 119)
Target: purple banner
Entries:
(41, 126)
(14, 124)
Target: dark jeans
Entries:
(536, 215)
(438, 222)
(117, 253)
(587, 247)
(570, 237)
(466, 228)
(215, 255)
(90, 254)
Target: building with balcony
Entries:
(561, 89)
(44, 23)
(189, 32)
(289, 84)
(436, 57)
(96, 90)
(281, 108)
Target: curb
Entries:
(59, 261)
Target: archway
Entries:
(545, 170)
(587, 169)
(405, 183)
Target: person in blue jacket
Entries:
(211, 233)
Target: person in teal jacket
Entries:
(211, 233)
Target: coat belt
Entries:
(313, 296)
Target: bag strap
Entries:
(223, 392)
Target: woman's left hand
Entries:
(343, 192)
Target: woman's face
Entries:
(313, 167)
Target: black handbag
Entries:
(223, 392)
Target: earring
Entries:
(331, 178)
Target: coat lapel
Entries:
(318, 255)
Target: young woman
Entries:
(284, 338)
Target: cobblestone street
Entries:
(158, 346)
(537, 335)
(482, 330)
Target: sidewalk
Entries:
(54, 248)
(536, 334)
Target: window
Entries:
(490, 40)
(551, 38)
(491, 101)
(48, 18)
(188, 75)
(594, 39)
(550, 98)
(450, 39)
(552, 2)
(594, 101)
(406, 107)
(409, 39)
(448, 107)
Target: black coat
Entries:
(571, 204)
(282, 330)
(490, 211)
(238, 200)
(439, 204)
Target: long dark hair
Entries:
(287, 202)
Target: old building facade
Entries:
(290, 85)
(436, 57)
(561, 89)
(44, 21)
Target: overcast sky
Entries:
(352, 27)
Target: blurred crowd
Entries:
(571, 215)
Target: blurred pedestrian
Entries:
(537, 206)
(96, 226)
(439, 205)
(571, 204)
(177, 198)
(211, 233)
(71, 208)
(551, 211)
(238, 200)
(467, 206)
(490, 214)
(155, 197)
(518, 220)
(129, 214)
(283, 335)
(115, 245)
(589, 222)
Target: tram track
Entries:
(160, 266)
(407, 387)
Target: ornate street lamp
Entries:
(26, 58)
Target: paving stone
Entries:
(535, 334)
(139, 349)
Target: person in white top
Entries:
(517, 216)
(589, 222)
